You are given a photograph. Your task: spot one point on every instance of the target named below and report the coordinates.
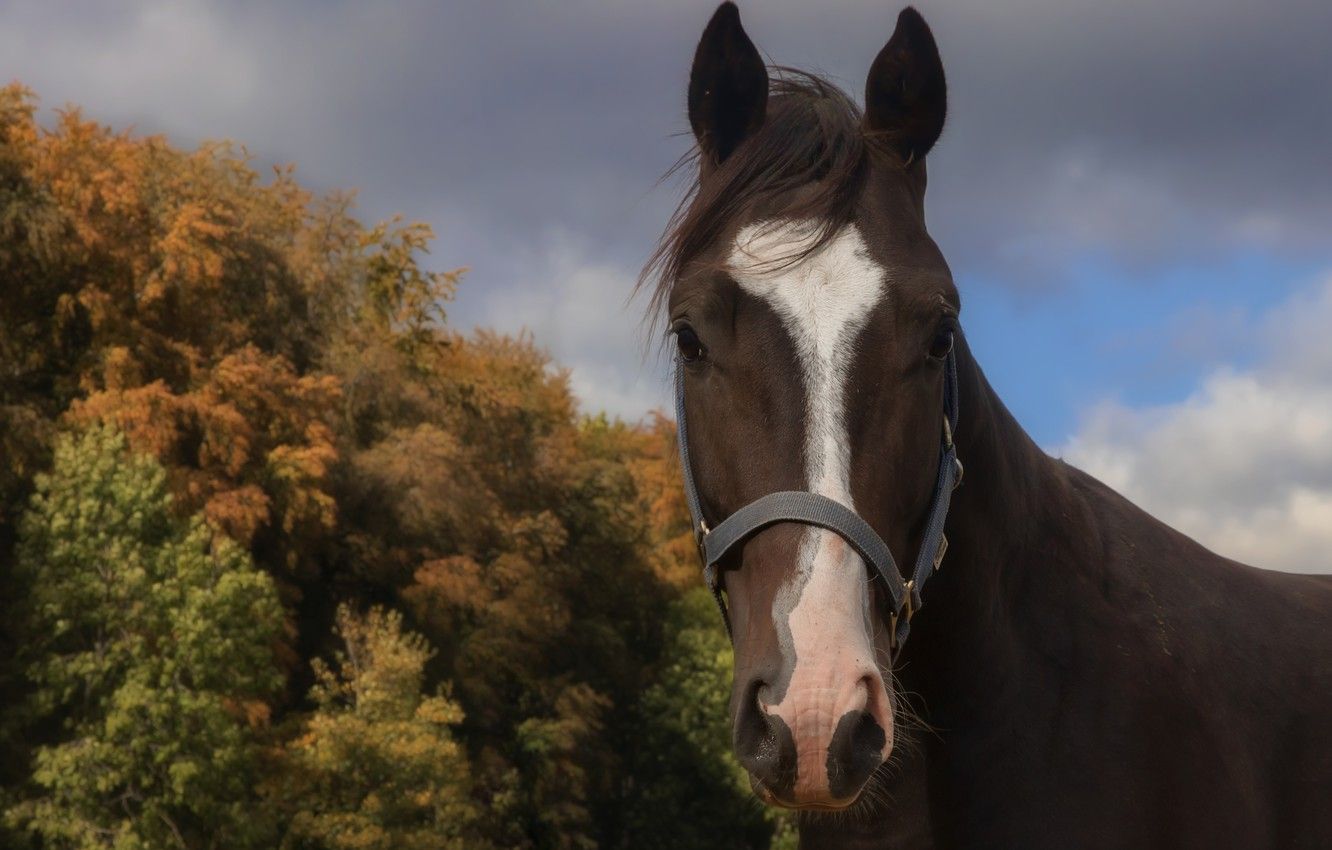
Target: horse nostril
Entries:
(855, 752)
(751, 721)
(763, 743)
(758, 690)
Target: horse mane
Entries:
(813, 138)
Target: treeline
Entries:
(287, 562)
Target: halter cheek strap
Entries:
(813, 509)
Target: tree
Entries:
(208, 310)
(156, 651)
(249, 445)
(376, 767)
(684, 762)
(290, 371)
(145, 281)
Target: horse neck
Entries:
(1019, 536)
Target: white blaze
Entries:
(823, 301)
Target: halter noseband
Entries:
(813, 509)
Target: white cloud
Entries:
(577, 308)
(1244, 464)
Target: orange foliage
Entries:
(252, 446)
(656, 471)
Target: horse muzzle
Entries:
(820, 744)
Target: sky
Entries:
(1135, 197)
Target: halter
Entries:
(813, 509)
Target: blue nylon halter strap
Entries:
(823, 512)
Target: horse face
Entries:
(812, 320)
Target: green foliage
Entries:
(156, 649)
(685, 762)
(376, 767)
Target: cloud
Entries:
(1244, 464)
(179, 63)
(1185, 128)
(577, 309)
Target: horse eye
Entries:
(687, 341)
(942, 344)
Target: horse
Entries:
(1077, 673)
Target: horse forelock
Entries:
(808, 162)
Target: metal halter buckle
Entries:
(907, 611)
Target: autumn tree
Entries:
(292, 373)
(208, 311)
(155, 648)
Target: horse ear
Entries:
(906, 97)
(728, 86)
